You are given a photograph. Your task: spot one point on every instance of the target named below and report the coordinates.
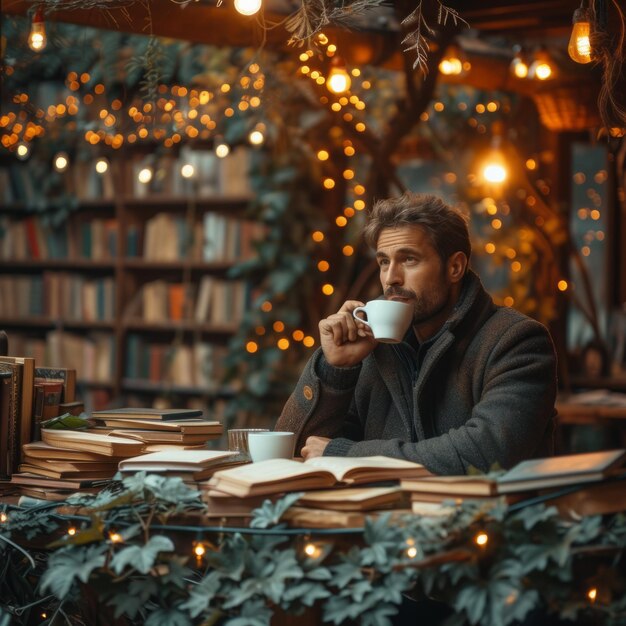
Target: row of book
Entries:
(200, 365)
(217, 237)
(28, 395)
(57, 295)
(34, 238)
(216, 301)
(226, 176)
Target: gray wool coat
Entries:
(483, 393)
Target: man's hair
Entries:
(445, 225)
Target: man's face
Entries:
(412, 272)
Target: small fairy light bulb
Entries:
(222, 150)
(338, 80)
(37, 39)
(411, 550)
(312, 551)
(256, 137)
(187, 170)
(145, 175)
(481, 539)
(248, 7)
(115, 537)
(102, 165)
(592, 594)
(22, 151)
(61, 161)
(71, 531)
(3, 517)
(199, 549)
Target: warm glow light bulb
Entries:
(145, 175)
(222, 150)
(451, 66)
(102, 165)
(339, 80)
(61, 161)
(519, 68)
(494, 172)
(37, 39)
(187, 170)
(23, 150)
(579, 47)
(256, 138)
(247, 7)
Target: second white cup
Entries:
(388, 319)
(271, 445)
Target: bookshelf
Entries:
(132, 288)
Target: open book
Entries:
(278, 475)
(530, 475)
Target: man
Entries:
(472, 384)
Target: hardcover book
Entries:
(102, 444)
(278, 475)
(530, 475)
(148, 414)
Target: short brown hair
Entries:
(445, 225)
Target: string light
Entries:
(411, 551)
(71, 531)
(592, 594)
(481, 539)
(61, 161)
(252, 347)
(102, 165)
(519, 66)
(22, 151)
(3, 517)
(541, 68)
(187, 170)
(247, 7)
(222, 150)
(145, 175)
(452, 64)
(579, 46)
(37, 39)
(339, 80)
(115, 537)
(312, 550)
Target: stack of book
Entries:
(66, 461)
(192, 466)
(570, 482)
(181, 428)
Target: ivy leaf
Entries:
(70, 563)
(141, 558)
(307, 592)
(139, 592)
(378, 616)
(202, 594)
(472, 600)
(269, 514)
(253, 613)
(168, 617)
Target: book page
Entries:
(274, 470)
(341, 466)
(174, 458)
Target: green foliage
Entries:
(533, 560)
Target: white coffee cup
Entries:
(388, 319)
(271, 445)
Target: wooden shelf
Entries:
(140, 264)
(49, 323)
(139, 325)
(62, 264)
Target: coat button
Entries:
(308, 392)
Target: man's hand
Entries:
(314, 446)
(344, 340)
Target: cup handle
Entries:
(356, 317)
